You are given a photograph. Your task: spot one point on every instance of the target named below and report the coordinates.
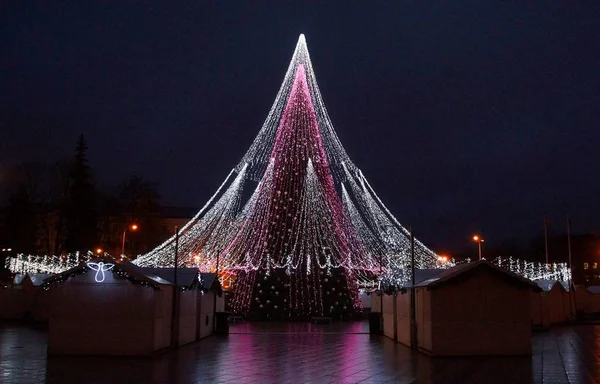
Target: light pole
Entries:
(132, 227)
(175, 298)
(478, 239)
(414, 342)
(215, 296)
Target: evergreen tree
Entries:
(60, 193)
(339, 295)
(270, 295)
(81, 203)
(274, 292)
(20, 222)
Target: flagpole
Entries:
(546, 238)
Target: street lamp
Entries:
(443, 258)
(99, 251)
(132, 227)
(478, 240)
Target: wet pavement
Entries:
(303, 353)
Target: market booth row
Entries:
(210, 302)
(24, 298)
(553, 305)
(200, 297)
(474, 309)
(395, 308)
(188, 289)
(587, 300)
(108, 308)
(470, 309)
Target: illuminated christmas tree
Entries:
(313, 228)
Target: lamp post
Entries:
(132, 227)
(478, 239)
(215, 296)
(175, 298)
(175, 261)
(414, 342)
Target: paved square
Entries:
(302, 353)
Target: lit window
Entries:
(585, 265)
(595, 266)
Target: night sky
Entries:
(465, 117)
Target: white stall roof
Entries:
(455, 272)
(186, 277)
(37, 279)
(18, 278)
(426, 274)
(595, 289)
(127, 267)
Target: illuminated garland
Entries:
(535, 270)
(22, 263)
(396, 279)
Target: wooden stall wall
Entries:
(423, 316)
(389, 316)
(403, 317)
(115, 317)
(482, 315)
(187, 316)
(205, 323)
(538, 309)
(14, 303)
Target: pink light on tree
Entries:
(298, 217)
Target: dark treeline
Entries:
(57, 208)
